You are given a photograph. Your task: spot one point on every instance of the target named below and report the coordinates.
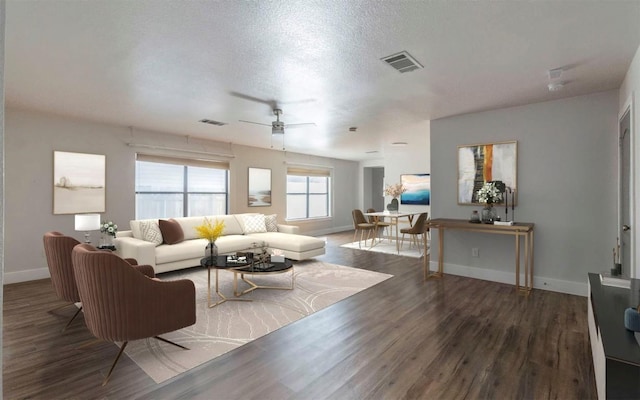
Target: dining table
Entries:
(394, 216)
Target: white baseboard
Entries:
(26, 275)
(328, 231)
(539, 282)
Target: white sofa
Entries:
(148, 249)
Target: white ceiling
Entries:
(164, 65)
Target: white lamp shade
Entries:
(87, 222)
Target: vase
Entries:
(106, 241)
(393, 206)
(489, 214)
(211, 251)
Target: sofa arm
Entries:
(288, 229)
(128, 247)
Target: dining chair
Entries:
(419, 229)
(381, 223)
(361, 224)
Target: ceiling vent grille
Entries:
(402, 61)
(212, 122)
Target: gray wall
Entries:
(567, 186)
(32, 137)
(2, 21)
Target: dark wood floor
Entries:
(452, 338)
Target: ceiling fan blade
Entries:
(271, 103)
(256, 123)
(293, 126)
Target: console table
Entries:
(518, 230)
(616, 354)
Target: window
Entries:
(308, 193)
(170, 187)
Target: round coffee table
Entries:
(218, 263)
(270, 268)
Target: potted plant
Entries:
(489, 194)
(394, 191)
(211, 231)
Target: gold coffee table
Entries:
(218, 263)
(269, 268)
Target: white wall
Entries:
(629, 95)
(31, 138)
(415, 158)
(567, 168)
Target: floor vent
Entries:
(212, 122)
(402, 61)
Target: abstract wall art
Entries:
(78, 183)
(481, 163)
(418, 189)
(259, 187)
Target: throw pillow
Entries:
(171, 231)
(254, 223)
(150, 231)
(271, 222)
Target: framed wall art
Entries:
(259, 187)
(418, 189)
(481, 163)
(78, 183)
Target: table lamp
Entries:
(86, 223)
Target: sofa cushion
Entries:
(188, 224)
(135, 227)
(271, 222)
(288, 241)
(195, 248)
(150, 231)
(171, 231)
(253, 223)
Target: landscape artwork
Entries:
(418, 189)
(259, 187)
(78, 183)
(481, 163)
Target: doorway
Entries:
(373, 188)
(625, 233)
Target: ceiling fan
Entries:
(277, 126)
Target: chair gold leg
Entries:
(72, 318)
(114, 363)
(170, 342)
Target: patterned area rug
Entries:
(232, 324)
(387, 247)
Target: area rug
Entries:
(232, 324)
(386, 247)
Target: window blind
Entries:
(183, 161)
(305, 171)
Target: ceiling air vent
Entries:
(212, 122)
(402, 61)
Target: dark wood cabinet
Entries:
(616, 353)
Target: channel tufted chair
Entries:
(57, 249)
(122, 304)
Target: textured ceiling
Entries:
(164, 65)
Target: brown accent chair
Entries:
(122, 304)
(57, 249)
(379, 222)
(361, 224)
(419, 229)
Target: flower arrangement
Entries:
(210, 230)
(394, 190)
(490, 193)
(109, 228)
